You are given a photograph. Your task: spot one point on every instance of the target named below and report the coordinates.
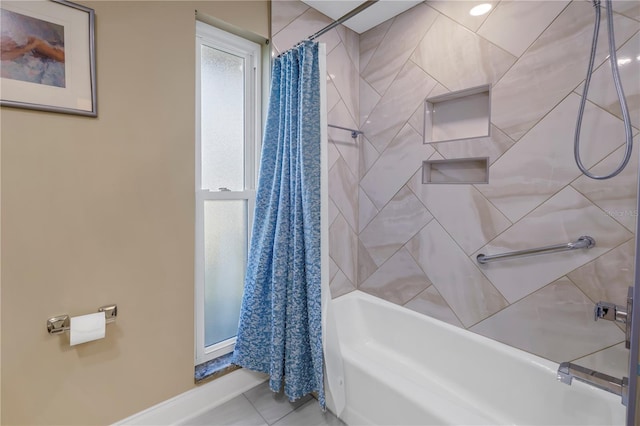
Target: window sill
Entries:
(214, 369)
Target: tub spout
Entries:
(568, 371)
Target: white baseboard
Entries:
(189, 404)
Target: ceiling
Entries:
(368, 18)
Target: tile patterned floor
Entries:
(261, 407)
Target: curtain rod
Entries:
(343, 18)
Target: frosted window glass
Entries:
(225, 251)
(222, 118)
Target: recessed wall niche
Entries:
(458, 170)
(463, 114)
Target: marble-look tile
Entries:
(471, 296)
(608, 277)
(417, 119)
(551, 68)
(616, 196)
(343, 190)
(340, 285)
(431, 303)
(332, 153)
(470, 219)
(368, 155)
(514, 25)
(238, 411)
(391, 113)
(333, 211)
(555, 323)
(272, 406)
(351, 41)
(343, 244)
(310, 414)
(333, 269)
(369, 98)
(630, 8)
(304, 26)
(366, 210)
(344, 75)
(459, 11)
(492, 146)
(398, 280)
(396, 223)
(283, 12)
(366, 265)
(613, 361)
(542, 162)
(370, 40)
(401, 39)
(602, 90)
(463, 58)
(395, 166)
(333, 97)
(561, 219)
(346, 145)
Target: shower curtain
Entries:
(280, 330)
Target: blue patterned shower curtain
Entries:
(280, 330)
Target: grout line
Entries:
(254, 407)
(595, 352)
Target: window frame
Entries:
(209, 36)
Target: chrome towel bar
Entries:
(585, 242)
(354, 132)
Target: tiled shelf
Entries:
(464, 114)
(459, 170)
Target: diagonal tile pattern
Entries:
(465, 289)
(553, 66)
(398, 280)
(415, 244)
(563, 218)
(555, 323)
(539, 165)
(397, 105)
(431, 303)
(396, 223)
(394, 49)
(470, 218)
(478, 62)
(395, 166)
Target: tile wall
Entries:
(415, 244)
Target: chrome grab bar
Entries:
(583, 242)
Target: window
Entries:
(227, 146)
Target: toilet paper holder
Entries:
(61, 323)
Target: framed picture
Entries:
(47, 53)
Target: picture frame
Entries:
(48, 60)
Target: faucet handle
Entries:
(606, 310)
(612, 312)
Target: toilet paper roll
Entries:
(86, 328)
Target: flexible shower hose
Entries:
(621, 99)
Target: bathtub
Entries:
(404, 368)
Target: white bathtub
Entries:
(403, 368)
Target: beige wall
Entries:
(98, 211)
